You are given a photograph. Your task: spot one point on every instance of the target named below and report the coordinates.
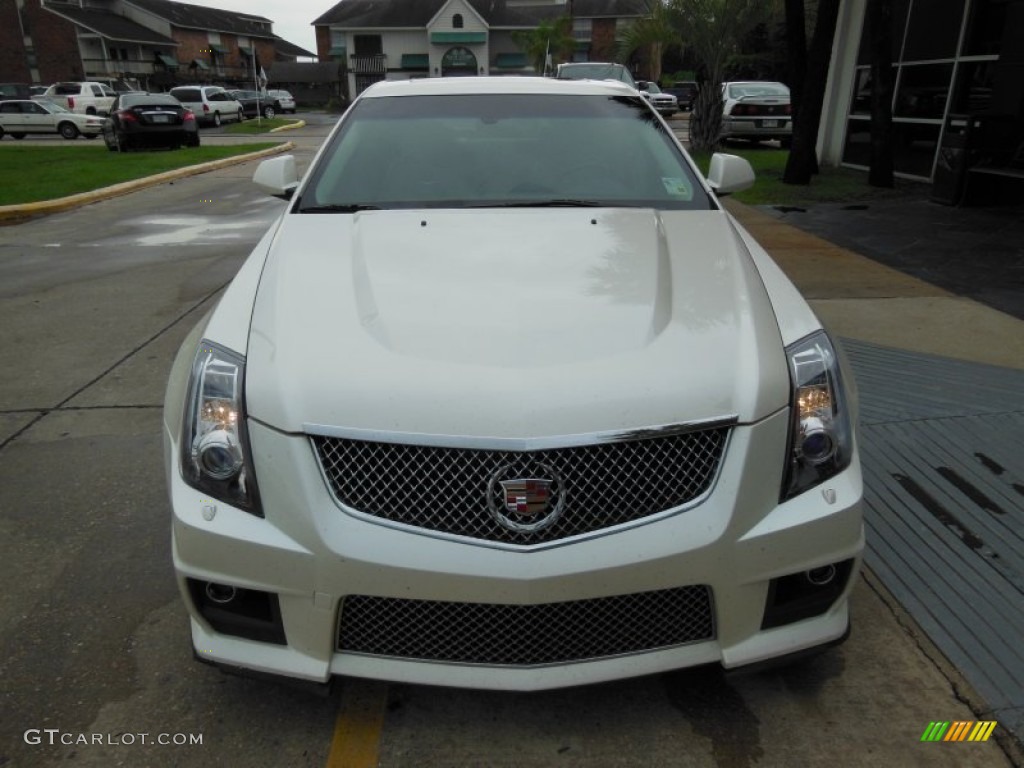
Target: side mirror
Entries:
(729, 173)
(277, 176)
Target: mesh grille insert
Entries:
(482, 633)
(456, 490)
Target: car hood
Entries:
(511, 323)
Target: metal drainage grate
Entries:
(483, 633)
(456, 490)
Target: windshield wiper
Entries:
(338, 208)
(553, 203)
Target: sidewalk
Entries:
(941, 380)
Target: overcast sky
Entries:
(292, 19)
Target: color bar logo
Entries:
(960, 730)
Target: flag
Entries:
(263, 78)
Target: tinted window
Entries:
(149, 99)
(186, 94)
(9, 107)
(66, 89)
(493, 150)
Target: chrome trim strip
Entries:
(516, 443)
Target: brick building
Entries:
(152, 44)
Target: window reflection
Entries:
(922, 90)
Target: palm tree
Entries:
(551, 36)
(652, 33)
(713, 29)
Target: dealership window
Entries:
(937, 72)
(933, 30)
(922, 90)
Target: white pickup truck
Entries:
(86, 98)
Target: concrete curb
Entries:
(289, 127)
(11, 214)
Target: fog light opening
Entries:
(238, 611)
(805, 594)
(819, 577)
(222, 594)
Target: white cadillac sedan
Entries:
(505, 399)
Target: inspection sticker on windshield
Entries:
(678, 187)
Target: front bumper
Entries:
(311, 554)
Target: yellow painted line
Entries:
(360, 720)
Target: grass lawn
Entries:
(37, 173)
(832, 185)
(263, 125)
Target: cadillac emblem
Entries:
(526, 496)
(525, 504)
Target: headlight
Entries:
(215, 455)
(821, 438)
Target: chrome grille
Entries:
(446, 489)
(549, 633)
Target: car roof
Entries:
(440, 86)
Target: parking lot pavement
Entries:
(94, 638)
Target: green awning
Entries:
(167, 60)
(511, 61)
(417, 61)
(218, 48)
(338, 50)
(199, 64)
(444, 38)
(245, 50)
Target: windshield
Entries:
(595, 72)
(498, 150)
(755, 90)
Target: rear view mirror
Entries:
(729, 173)
(277, 176)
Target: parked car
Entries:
(595, 70)
(15, 91)
(665, 103)
(280, 101)
(149, 120)
(641, 458)
(209, 103)
(21, 117)
(685, 92)
(757, 111)
(87, 98)
(251, 101)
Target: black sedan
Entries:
(149, 120)
(250, 101)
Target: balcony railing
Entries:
(368, 65)
(150, 71)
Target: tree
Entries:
(713, 29)
(879, 29)
(803, 156)
(551, 36)
(652, 33)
